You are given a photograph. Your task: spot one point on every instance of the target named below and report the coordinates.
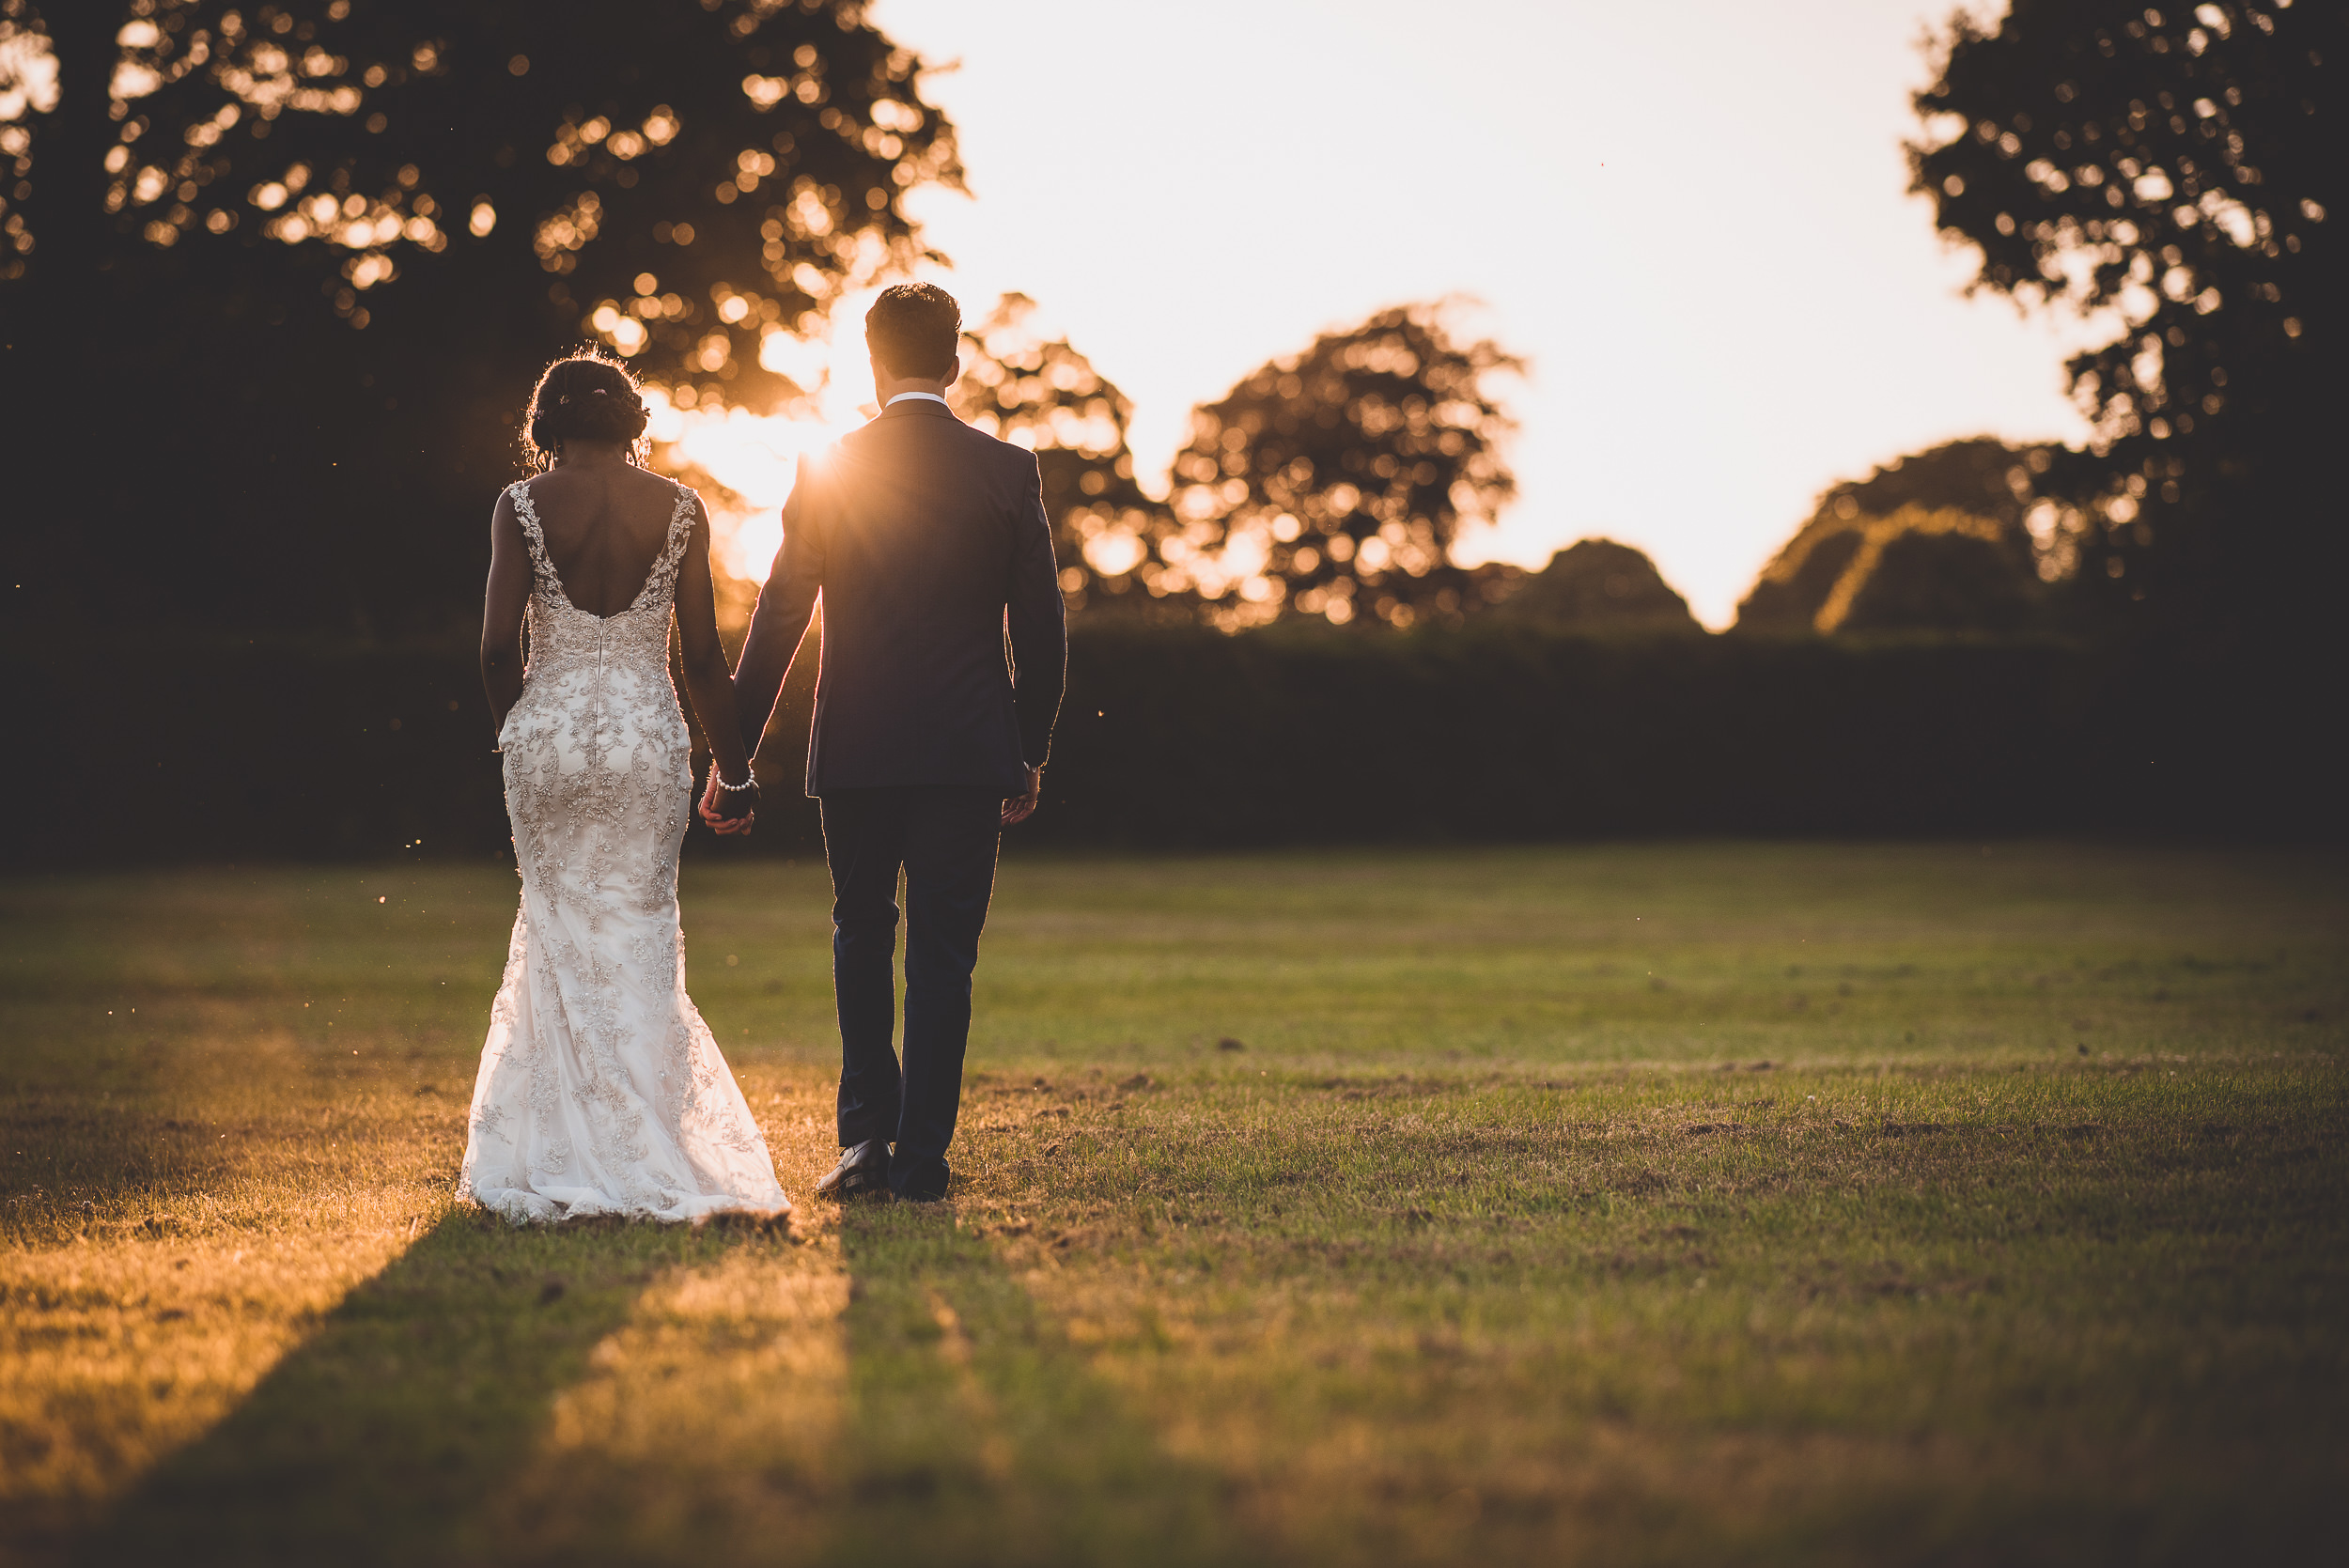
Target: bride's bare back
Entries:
(604, 528)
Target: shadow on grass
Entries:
(979, 1435)
(378, 1440)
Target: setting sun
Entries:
(745, 461)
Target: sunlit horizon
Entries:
(1704, 358)
(1693, 222)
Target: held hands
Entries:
(1018, 808)
(729, 810)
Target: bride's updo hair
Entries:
(584, 397)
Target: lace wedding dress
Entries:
(601, 1091)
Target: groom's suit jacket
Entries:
(927, 542)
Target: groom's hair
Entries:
(912, 329)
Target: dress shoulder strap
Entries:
(662, 582)
(527, 514)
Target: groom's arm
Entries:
(781, 620)
(1038, 623)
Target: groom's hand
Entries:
(1018, 808)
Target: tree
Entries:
(219, 196)
(748, 159)
(1938, 540)
(2169, 168)
(1041, 394)
(1599, 586)
(1334, 483)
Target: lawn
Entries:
(1644, 1203)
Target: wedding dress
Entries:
(601, 1091)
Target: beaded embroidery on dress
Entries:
(601, 1091)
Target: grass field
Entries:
(1698, 1204)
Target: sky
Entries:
(1690, 219)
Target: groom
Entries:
(927, 541)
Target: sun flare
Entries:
(745, 461)
(744, 464)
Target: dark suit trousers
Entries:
(945, 840)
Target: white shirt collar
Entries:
(903, 396)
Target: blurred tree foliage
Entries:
(1941, 540)
(1041, 394)
(305, 258)
(1598, 586)
(2169, 168)
(1346, 471)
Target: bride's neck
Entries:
(592, 454)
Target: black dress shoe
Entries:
(863, 1168)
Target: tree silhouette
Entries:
(1598, 586)
(1938, 540)
(678, 179)
(1345, 472)
(1041, 394)
(2170, 167)
(219, 196)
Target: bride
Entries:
(601, 1092)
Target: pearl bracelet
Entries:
(719, 778)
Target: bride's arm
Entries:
(501, 609)
(785, 606)
(707, 683)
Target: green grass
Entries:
(1673, 1203)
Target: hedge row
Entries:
(1193, 739)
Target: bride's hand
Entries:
(729, 810)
